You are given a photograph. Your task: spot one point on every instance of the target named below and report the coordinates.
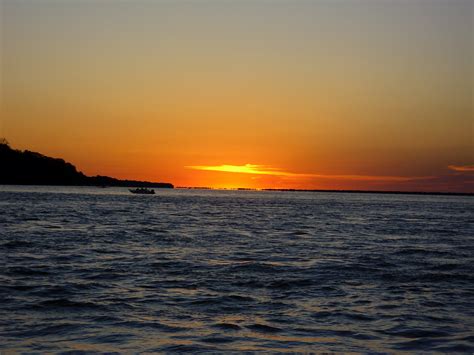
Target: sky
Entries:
(304, 94)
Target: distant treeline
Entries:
(378, 192)
(30, 168)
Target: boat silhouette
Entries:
(142, 190)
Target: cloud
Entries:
(462, 168)
(243, 169)
(266, 170)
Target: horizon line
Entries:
(325, 190)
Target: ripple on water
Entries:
(218, 271)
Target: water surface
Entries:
(94, 269)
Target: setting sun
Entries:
(244, 169)
(292, 179)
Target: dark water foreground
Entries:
(103, 270)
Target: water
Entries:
(88, 269)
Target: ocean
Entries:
(87, 270)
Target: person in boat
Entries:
(142, 190)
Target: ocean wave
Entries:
(220, 271)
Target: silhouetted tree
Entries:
(31, 168)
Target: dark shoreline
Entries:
(381, 192)
(433, 193)
(31, 168)
(159, 185)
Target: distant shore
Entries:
(31, 168)
(336, 191)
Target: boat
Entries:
(142, 190)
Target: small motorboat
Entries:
(143, 191)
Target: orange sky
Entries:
(253, 93)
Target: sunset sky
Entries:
(312, 94)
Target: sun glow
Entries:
(311, 98)
(266, 170)
(243, 169)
